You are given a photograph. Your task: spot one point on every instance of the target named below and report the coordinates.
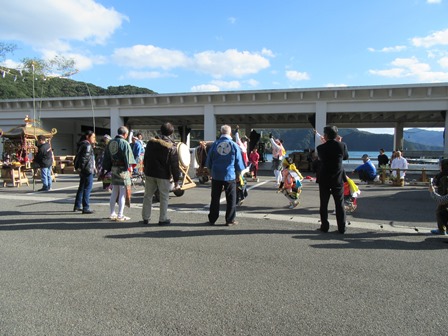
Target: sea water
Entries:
(354, 156)
(355, 159)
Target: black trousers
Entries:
(338, 196)
(442, 217)
(363, 176)
(229, 188)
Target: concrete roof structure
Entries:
(394, 106)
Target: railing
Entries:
(398, 181)
(423, 154)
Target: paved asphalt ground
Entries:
(65, 273)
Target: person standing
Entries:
(118, 159)
(383, 159)
(278, 153)
(161, 164)
(85, 166)
(242, 143)
(43, 159)
(254, 157)
(225, 163)
(137, 151)
(366, 171)
(330, 177)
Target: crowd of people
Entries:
(228, 162)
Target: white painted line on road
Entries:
(250, 188)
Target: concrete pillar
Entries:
(398, 137)
(445, 144)
(209, 123)
(321, 120)
(115, 121)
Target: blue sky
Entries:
(186, 46)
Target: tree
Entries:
(6, 48)
(58, 66)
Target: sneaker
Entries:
(87, 211)
(438, 232)
(113, 217)
(123, 219)
(232, 223)
(165, 222)
(376, 179)
(146, 221)
(292, 205)
(240, 202)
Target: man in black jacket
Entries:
(85, 166)
(161, 163)
(331, 177)
(43, 159)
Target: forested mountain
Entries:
(360, 140)
(15, 84)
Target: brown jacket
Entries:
(161, 159)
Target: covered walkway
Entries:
(395, 106)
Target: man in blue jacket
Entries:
(366, 171)
(225, 163)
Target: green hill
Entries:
(20, 85)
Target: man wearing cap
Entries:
(366, 171)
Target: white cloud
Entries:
(232, 20)
(437, 38)
(148, 75)
(8, 63)
(226, 85)
(411, 68)
(252, 82)
(443, 62)
(433, 1)
(205, 88)
(217, 85)
(82, 62)
(336, 85)
(412, 64)
(52, 23)
(141, 56)
(388, 49)
(231, 62)
(296, 75)
(390, 73)
(267, 52)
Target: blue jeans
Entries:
(83, 193)
(45, 176)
